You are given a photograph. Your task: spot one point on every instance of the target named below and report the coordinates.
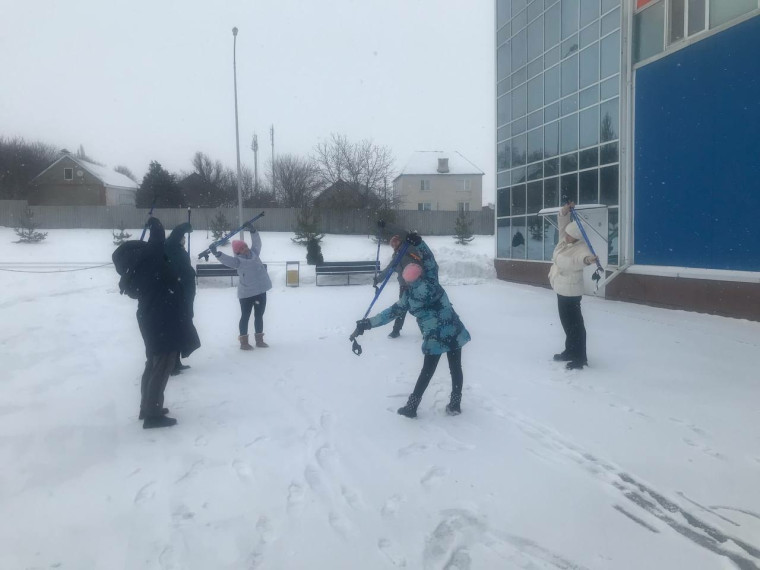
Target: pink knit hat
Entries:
(238, 246)
(412, 272)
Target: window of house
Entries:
(424, 185)
(465, 185)
(463, 207)
(424, 206)
(68, 174)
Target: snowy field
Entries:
(293, 457)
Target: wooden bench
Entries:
(347, 268)
(214, 270)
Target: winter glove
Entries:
(250, 228)
(213, 250)
(361, 326)
(413, 238)
(589, 259)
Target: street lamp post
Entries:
(237, 133)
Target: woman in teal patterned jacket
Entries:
(442, 330)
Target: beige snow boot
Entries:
(243, 338)
(260, 341)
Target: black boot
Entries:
(158, 422)
(410, 410)
(576, 364)
(452, 408)
(562, 357)
(394, 334)
(164, 411)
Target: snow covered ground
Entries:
(293, 457)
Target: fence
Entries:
(276, 219)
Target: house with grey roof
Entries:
(71, 181)
(437, 180)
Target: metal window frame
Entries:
(68, 169)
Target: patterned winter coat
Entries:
(442, 330)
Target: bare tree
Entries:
(297, 181)
(126, 172)
(20, 162)
(82, 155)
(209, 170)
(366, 166)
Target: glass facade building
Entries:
(558, 117)
(650, 108)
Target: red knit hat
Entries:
(238, 246)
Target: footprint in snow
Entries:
(412, 448)
(243, 470)
(295, 498)
(390, 551)
(341, 525)
(351, 497)
(392, 506)
(325, 457)
(433, 477)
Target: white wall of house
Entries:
(444, 192)
(116, 196)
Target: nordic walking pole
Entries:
(355, 347)
(205, 253)
(150, 215)
(599, 269)
(188, 233)
(380, 227)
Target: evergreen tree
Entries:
(26, 229)
(220, 226)
(462, 232)
(160, 185)
(308, 234)
(122, 236)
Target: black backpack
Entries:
(126, 258)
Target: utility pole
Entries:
(271, 135)
(255, 149)
(237, 133)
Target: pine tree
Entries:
(308, 234)
(26, 230)
(122, 236)
(463, 233)
(160, 185)
(219, 225)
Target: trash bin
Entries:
(292, 273)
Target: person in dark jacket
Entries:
(442, 330)
(253, 284)
(165, 324)
(411, 255)
(179, 258)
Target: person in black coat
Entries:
(179, 258)
(165, 323)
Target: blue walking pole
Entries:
(205, 253)
(355, 347)
(380, 226)
(599, 269)
(150, 215)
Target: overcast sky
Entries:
(141, 80)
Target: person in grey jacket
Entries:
(411, 256)
(253, 284)
(570, 256)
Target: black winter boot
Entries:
(164, 411)
(452, 408)
(562, 357)
(158, 422)
(576, 364)
(410, 410)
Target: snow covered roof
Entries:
(426, 162)
(106, 175)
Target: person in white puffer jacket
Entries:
(570, 256)
(253, 284)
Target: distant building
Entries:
(436, 180)
(70, 181)
(344, 195)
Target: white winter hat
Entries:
(573, 230)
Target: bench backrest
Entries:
(343, 267)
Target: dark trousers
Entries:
(572, 322)
(429, 366)
(154, 379)
(398, 324)
(257, 303)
